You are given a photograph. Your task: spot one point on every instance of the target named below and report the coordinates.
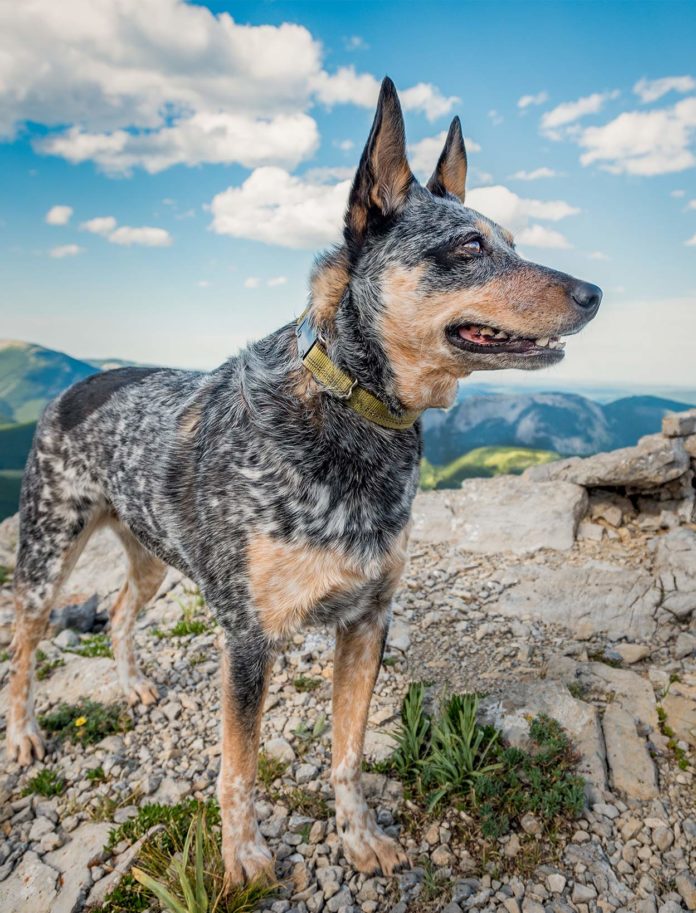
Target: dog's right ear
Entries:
(449, 176)
(383, 177)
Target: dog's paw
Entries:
(248, 862)
(142, 691)
(371, 851)
(24, 743)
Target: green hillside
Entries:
(30, 376)
(10, 483)
(483, 462)
(15, 444)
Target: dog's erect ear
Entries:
(450, 174)
(383, 177)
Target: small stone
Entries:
(441, 856)
(583, 893)
(632, 653)
(280, 749)
(684, 645)
(686, 885)
(531, 906)
(530, 824)
(305, 773)
(556, 883)
(663, 838)
(39, 828)
(603, 808)
(67, 639)
(512, 847)
(511, 905)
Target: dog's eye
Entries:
(473, 246)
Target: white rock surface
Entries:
(505, 513)
(630, 765)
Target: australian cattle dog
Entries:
(282, 482)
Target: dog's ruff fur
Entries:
(284, 505)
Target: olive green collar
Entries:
(339, 384)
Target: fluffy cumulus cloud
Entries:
(691, 242)
(125, 235)
(65, 250)
(653, 89)
(276, 207)
(424, 154)
(539, 99)
(571, 111)
(536, 174)
(59, 215)
(643, 142)
(154, 83)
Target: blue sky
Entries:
(213, 144)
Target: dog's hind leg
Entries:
(246, 663)
(145, 575)
(53, 533)
(359, 650)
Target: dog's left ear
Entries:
(383, 177)
(450, 174)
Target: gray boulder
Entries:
(654, 461)
(675, 566)
(505, 513)
(630, 765)
(588, 598)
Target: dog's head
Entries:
(431, 288)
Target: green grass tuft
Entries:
(451, 756)
(306, 683)
(93, 645)
(44, 665)
(45, 783)
(87, 722)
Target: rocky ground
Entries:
(573, 598)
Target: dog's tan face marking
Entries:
(244, 850)
(414, 321)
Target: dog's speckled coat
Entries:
(284, 505)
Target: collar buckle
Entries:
(306, 337)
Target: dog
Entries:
(282, 482)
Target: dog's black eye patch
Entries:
(456, 251)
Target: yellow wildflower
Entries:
(81, 720)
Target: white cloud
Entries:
(355, 43)
(598, 255)
(65, 250)
(252, 282)
(677, 194)
(275, 281)
(541, 236)
(570, 111)
(279, 208)
(345, 145)
(346, 86)
(203, 283)
(101, 225)
(329, 174)
(59, 215)
(652, 89)
(495, 117)
(691, 242)
(643, 142)
(154, 83)
(537, 99)
(145, 235)
(125, 235)
(424, 154)
(535, 175)
(691, 204)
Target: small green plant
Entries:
(270, 769)
(308, 734)
(680, 756)
(4, 574)
(4, 656)
(302, 802)
(127, 897)
(542, 781)
(578, 690)
(96, 774)
(93, 645)
(188, 624)
(175, 818)
(44, 665)
(189, 878)
(390, 660)
(87, 722)
(45, 783)
(305, 683)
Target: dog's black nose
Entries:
(587, 296)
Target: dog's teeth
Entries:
(486, 331)
(501, 335)
(543, 342)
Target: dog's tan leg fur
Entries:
(145, 576)
(356, 665)
(244, 850)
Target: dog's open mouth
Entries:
(475, 338)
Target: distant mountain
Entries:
(30, 376)
(562, 422)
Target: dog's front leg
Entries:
(359, 650)
(246, 663)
